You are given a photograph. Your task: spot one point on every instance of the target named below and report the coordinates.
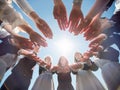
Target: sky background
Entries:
(45, 10)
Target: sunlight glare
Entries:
(64, 46)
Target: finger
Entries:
(80, 28)
(86, 33)
(43, 43)
(59, 23)
(69, 22)
(76, 31)
(72, 24)
(94, 34)
(48, 32)
(62, 23)
(65, 22)
(75, 26)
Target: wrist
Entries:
(76, 6)
(20, 52)
(33, 15)
(77, 2)
(57, 1)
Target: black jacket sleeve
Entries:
(109, 4)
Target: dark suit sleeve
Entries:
(109, 4)
(92, 67)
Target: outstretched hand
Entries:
(42, 25)
(93, 29)
(60, 14)
(98, 40)
(35, 37)
(76, 16)
(44, 28)
(83, 24)
(22, 42)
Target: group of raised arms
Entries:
(20, 54)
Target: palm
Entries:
(97, 40)
(75, 16)
(44, 28)
(93, 29)
(60, 14)
(24, 42)
(35, 37)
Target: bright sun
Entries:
(64, 46)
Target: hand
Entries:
(60, 14)
(98, 40)
(44, 28)
(22, 42)
(35, 37)
(25, 52)
(87, 55)
(42, 25)
(37, 59)
(84, 23)
(95, 49)
(93, 29)
(36, 47)
(76, 16)
(48, 66)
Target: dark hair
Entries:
(109, 54)
(0, 22)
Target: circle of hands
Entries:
(76, 24)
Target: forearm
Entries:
(77, 3)
(31, 54)
(57, 1)
(54, 69)
(99, 5)
(25, 52)
(26, 28)
(8, 28)
(25, 6)
(76, 66)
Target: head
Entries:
(63, 61)
(48, 60)
(77, 57)
(109, 54)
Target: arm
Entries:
(96, 27)
(8, 28)
(99, 5)
(34, 36)
(84, 66)
(98, 40)
(54, 68)
(32, 55)
(76, 66)
(41, 24)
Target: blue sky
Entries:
(45, 10)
